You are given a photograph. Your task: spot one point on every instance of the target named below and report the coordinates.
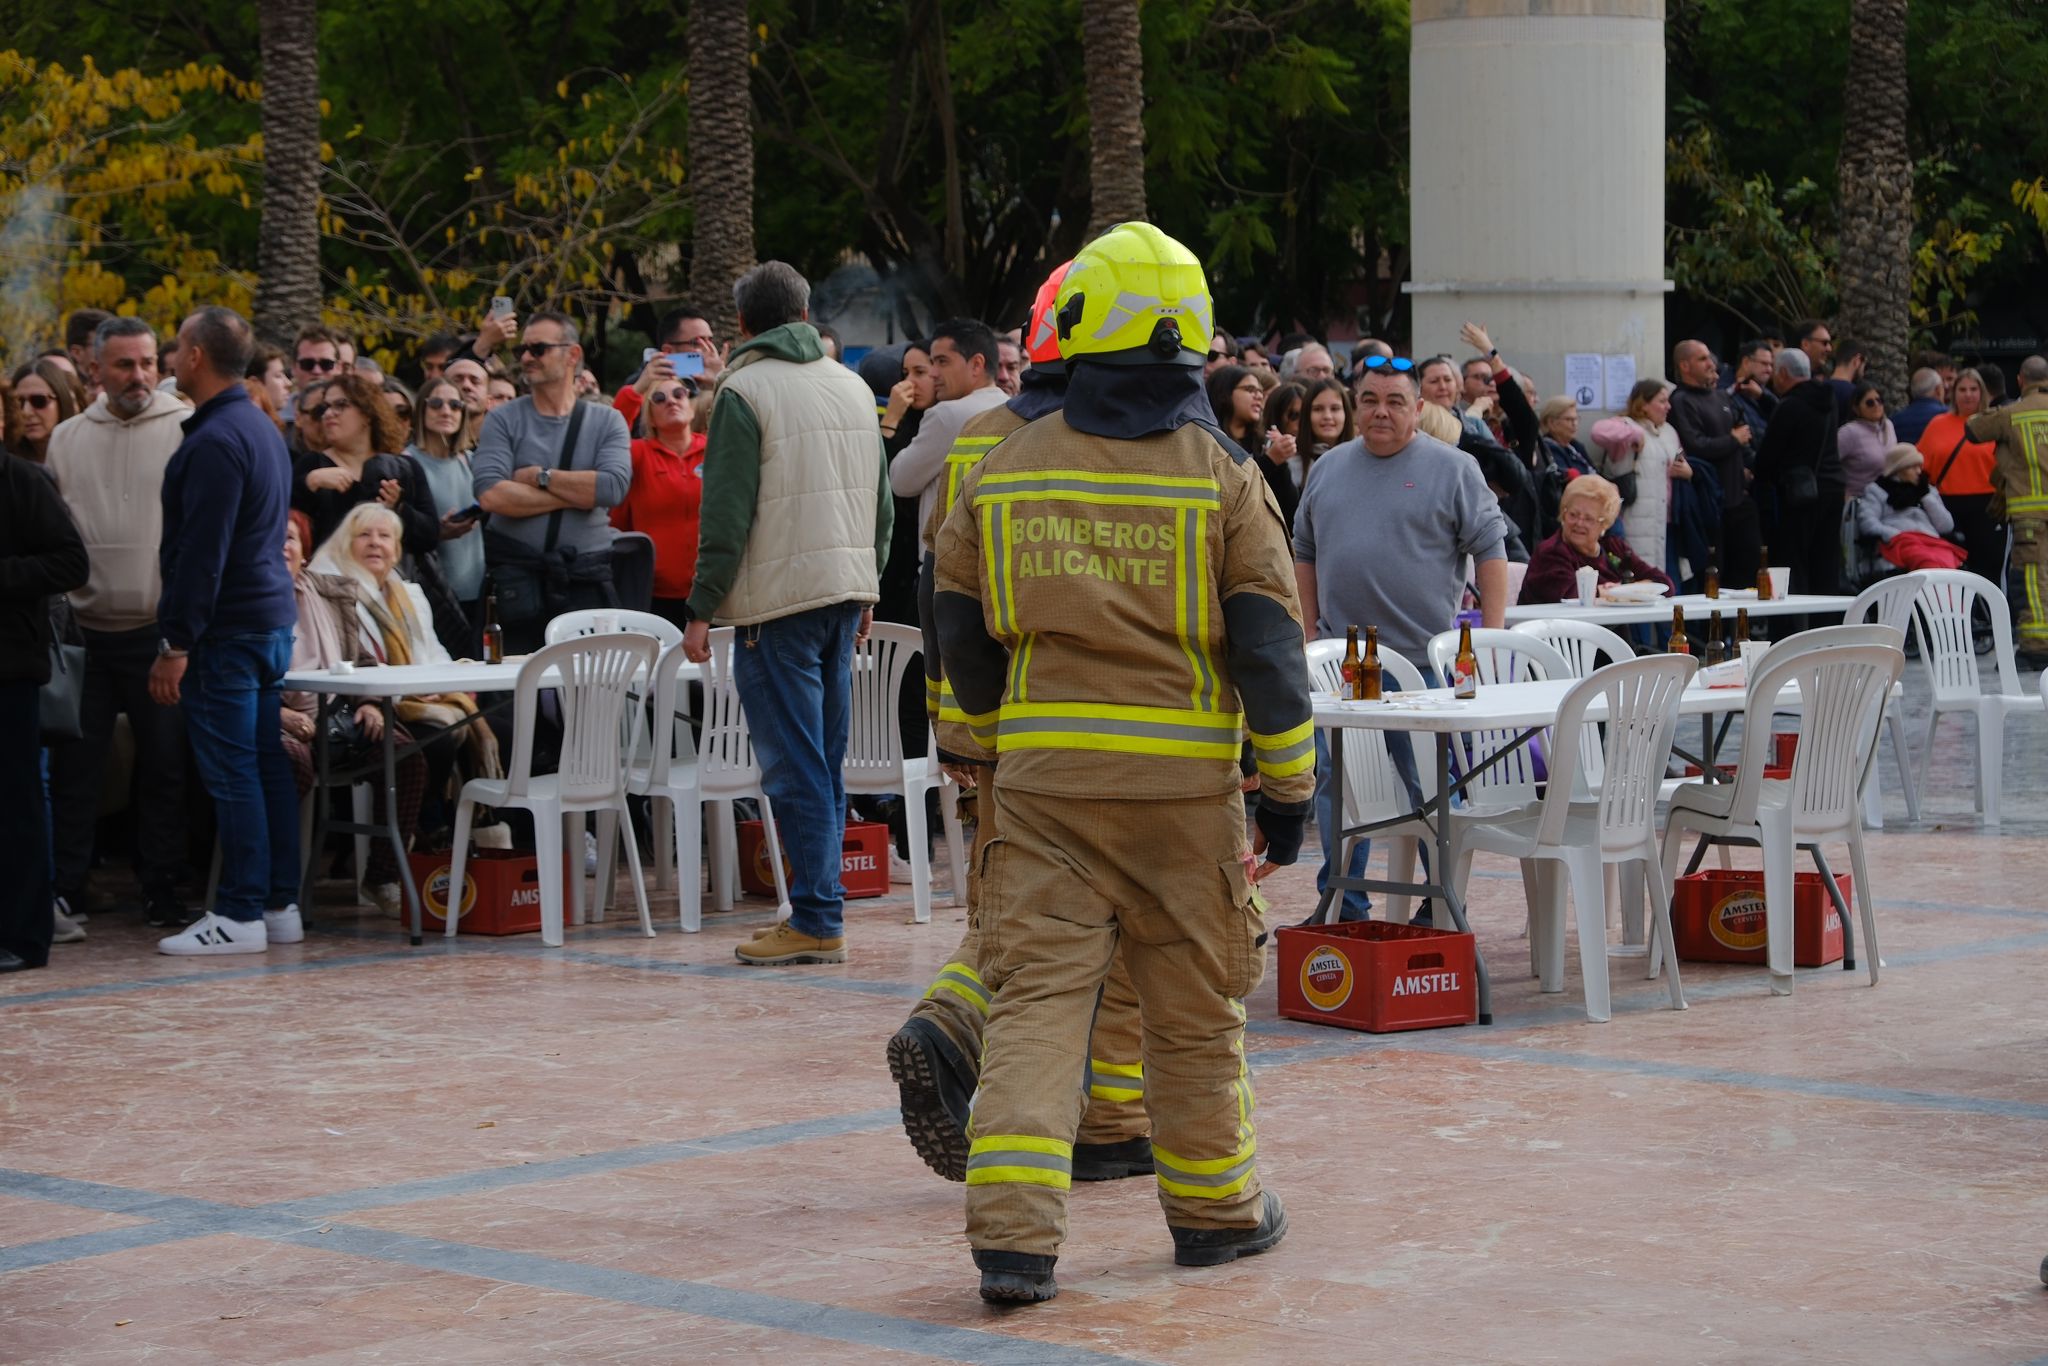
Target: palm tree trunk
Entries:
(1114, 56)
(288, 254)
(1876, 174)
(721, 158)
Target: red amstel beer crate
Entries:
(1779, 765)
(500, 891)
(1376, 976)
(1717, 916)
(863, 866)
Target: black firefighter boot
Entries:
(1215, 1246)
(935, 1083)
(1113, 1161)
(1015, 1277)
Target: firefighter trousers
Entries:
(2030, 574)
(958, 1000)
(1066, 884)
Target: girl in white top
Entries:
(1655, 463)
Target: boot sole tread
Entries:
(932, 1132)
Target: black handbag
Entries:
(1626, 485)
(1798, 485)
(60, 704)
(347, 746)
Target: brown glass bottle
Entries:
(1741, 627)
(1465, 669)
(1715, 653)
(1763, 574)
(1369, 667)
(1679, 644)
(1711, 581)
(1350, 667)
(494, 634)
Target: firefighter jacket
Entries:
(1124, 600)
(2021, 431)
(977, 438)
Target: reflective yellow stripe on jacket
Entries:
(1285, 754)
(966, 453)
(1199, 730)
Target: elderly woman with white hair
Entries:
(1586, 514)
(397, 626)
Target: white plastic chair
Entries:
(1889, 602)
(1504, 657)
(875, 761)
(684, 776)
(1844, 675)
(1944, 608)
(584, 622)
(1618, 826)
(1372, 787)
(595, 674)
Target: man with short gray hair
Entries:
(1925, 388)
(108, 463)
(1798, 457)
(791, 542)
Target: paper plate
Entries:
(1633, 592)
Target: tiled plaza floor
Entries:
(637, 1150)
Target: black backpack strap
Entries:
(565, 459)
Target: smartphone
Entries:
(500, 306)
(468, 514)
(687, 363)
(647, 356)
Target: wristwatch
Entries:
(166, 650)
(541, 480)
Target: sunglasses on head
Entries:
(39, 401)
(311, 363)
(1398, 364)
(536, 350)
(437, 404)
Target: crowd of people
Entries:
(497, 483)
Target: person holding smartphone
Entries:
(667, 493)
(687, 351)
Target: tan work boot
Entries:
(784, 945)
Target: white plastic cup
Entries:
(1589, 585)
(343, 666)
(1781, 581)
(604, 623)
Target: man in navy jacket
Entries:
(226, 614)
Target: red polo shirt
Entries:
(664, 501)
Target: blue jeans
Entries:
(795, 676)
(231, 700)
(1357, 905)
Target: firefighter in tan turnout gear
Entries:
(935, 1058)
(1115, 604)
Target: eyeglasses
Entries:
(536, 350)
(311, 363)
(339, 405)
(1398, 364)
(677, 395)
(39, 401)
(437, 404)
(1249, 387)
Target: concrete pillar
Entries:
(1536, 167)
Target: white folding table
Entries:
(1698, 607)
(1527, 707)
(384, 684)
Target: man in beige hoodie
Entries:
(109, 466)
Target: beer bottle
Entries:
(1741, 627)
(1715, 654)
(1369, 667)
(1465, 669)
(494, 634)
(1763, 574)
(1350, 663)
(1712, 580)
(1679, 644)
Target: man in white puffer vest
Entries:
(795, 529)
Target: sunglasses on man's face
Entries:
(1398, 364)
(536, 350)
(322, 363)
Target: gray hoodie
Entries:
(110, 472)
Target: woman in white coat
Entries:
(1654, 457)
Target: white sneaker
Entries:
(388, 897)
(899, 868)
(213, 934)
(283, 927)
(67, 930)
(76, 917)
(589, 854)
